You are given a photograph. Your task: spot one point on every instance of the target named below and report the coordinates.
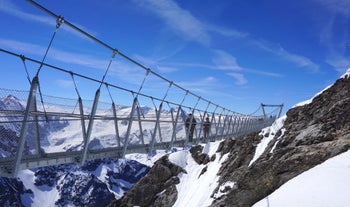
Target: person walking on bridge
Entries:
(206, 128)
(190, 125)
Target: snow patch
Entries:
(223, 189)
(324, 185)
(271, 131)
(195, 188)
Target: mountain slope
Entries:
(97, 183)
(312, 133)
(250, 168)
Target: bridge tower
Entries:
(280, 106)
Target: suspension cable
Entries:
(144, 79)
(25, 68)
(255, 111)
(75, 85)
(99, 81)
(42, 101)
(115, 52)
(59, 21)
(109, 47)
(166, 93)
(109, 92)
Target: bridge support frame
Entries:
(30, 107)
(126, 140)
(89, 129)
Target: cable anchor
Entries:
(59, 21)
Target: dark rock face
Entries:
(313, 133)
(198, 156)
(12, 192)
(157, 188)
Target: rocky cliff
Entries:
(311, 134)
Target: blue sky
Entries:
(237, 54)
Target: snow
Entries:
(43, 195)
(325, 185)
(346, 74)
(271, 130)
(195, 189)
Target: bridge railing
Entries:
(40, 129)
(58, 135)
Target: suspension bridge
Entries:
(38, 129)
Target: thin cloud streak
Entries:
(298, 60)
(240, 79)
(191, 28)
(9, 8)
(225, 61)
(178, 19)
(120, 69)
(336, 6)
(66, 57)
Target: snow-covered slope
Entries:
(324, 185)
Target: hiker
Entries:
(206, 128)
(190, 130)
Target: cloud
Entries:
(204, 86)
(66, 57)
(336, 6)
(240, 79)
(181, 21)
(339, 62)
(22, 47)
(185, 24)
(9, 8)
(227, 32)
(64, 83)
(124, 71)
(298, 60)
(225, 61)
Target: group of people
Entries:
(190, 125)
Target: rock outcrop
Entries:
(312, 134)
(157, 188)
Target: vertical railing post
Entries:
(234, 125)
(126, 142)
(156, 126)
(36, 131)
(228, 132)
(89, 129)
(173, 136)
(218, 127)
(82, 118)
(240, 125)
(223, 125)
(212, 123)
(22, 137)
(202, 118)
(140, 124)
(116, 124)
(245, 127)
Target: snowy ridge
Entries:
(345, 75)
